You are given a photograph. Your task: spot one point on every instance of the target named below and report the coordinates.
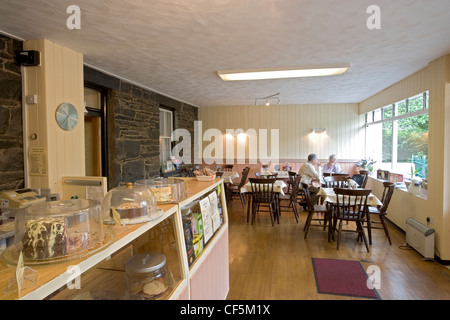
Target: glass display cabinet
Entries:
(181, 254)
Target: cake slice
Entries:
(45, 238)
(131, 210)
(163, 194)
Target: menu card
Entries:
(20, 270)
(205, 208)
(215, 214)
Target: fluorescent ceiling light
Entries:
(282, 73)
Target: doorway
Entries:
(95, 131)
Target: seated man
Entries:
(332, 166)
(311, 177)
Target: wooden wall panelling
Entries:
(59, 79)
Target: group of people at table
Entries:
(312, 178)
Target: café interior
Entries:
(275, 150)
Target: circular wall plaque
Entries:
(67, 116)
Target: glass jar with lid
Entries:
(134, 204)
(148, 276)
(166, 190)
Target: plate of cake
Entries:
(58, 232)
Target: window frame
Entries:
(396, 118)
(172, 122)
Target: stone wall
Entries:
(11, 139)
(133, 127)
(136, 133)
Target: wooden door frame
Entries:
(102, 113)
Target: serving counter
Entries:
(102, 274)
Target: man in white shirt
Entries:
(311, 177)
(332, 166)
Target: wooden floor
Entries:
(274, 263)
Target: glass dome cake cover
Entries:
(134, 204)
(58, 229)
(166, 190)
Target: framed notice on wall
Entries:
(37, 161)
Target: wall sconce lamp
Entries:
(319, 131)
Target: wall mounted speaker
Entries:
(30, 58)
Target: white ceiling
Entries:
(175, 47)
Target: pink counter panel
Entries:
(211, 280)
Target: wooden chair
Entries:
(336, 181)
(381, 212)
(219, 174)
(359, 179)
(269, 176)
(228, 168)
(290, 181)
(351, 206)
(365, 174)
(301, 196)
(312, 209)
(188, 172)
(292, 198)
(235, 189)
(263, 194)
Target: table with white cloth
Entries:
(278, 187)
(229, 176)
(283, 174)
(329, 196)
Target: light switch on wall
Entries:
(32, 99)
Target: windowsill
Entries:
(402, 187)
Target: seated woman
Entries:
(332, 166)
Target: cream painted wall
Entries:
(416, 83)
(345, 127)
(59, 79)
(435, 78)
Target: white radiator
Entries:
(420, 237)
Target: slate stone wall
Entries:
(11, 139)
(136, 133)
(133, 127)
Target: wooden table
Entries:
(278, 187)
(329, 196)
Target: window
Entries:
(388, 112)
(165, 134)
(398, 139)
